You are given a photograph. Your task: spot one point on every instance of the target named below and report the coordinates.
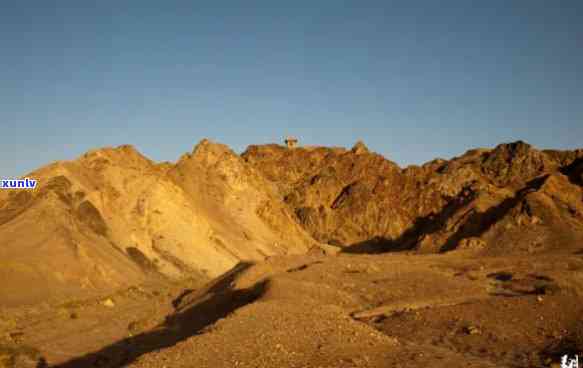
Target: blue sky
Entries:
(414, 79)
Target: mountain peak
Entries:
(359, 148)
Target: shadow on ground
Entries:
(195, 311)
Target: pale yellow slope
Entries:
(112, 217)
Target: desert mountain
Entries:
(113, 218)
(510, 198)
(149, 264)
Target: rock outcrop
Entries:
(510, 198)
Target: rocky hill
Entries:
(115, 260)
(113, 218)
(510, 198)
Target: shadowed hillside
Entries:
(510, 198)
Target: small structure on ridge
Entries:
(291, 142)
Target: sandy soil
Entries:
(350, 310)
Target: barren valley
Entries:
(294, 257)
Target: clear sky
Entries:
(414, 79)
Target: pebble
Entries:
(108, 303)
(473, 330)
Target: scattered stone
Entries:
(19, 356)
(16, 337)
(471, 244)
(325, 249)
(108, 303)
(472, 330)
